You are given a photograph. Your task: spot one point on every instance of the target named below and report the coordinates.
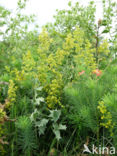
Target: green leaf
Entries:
(62, 127)
(41, 125)
(104, 23)
(69, 4)
(43, 122)
(56, 130)
(39, 88)
(54, 115)
(39, 100)
(57, 134)
(105, 31)
(34, 115)
(41, 130)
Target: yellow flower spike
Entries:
(28, 62)
(11, 93)
(106, 117)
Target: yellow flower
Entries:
(11, 93)
(106, 117)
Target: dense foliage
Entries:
(58, 88)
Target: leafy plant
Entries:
(26, 135)
(41, 116)
(58, 85)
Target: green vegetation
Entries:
(58, 88)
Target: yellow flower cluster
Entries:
(49, 71)
(28, 62)
(11, 93)
(2, 128)
(44, 40)
(19, 75)
(55, 87)
(16, 74)
(44, 44)
(54, 93)
(50, 64)
(103, 48)
(27, 69)
(2, 114)
(106, 117)
(81, 49)
(74, 41)
(86, 57)
(69, 42)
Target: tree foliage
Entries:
(58, 86)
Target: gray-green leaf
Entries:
(54, 115)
